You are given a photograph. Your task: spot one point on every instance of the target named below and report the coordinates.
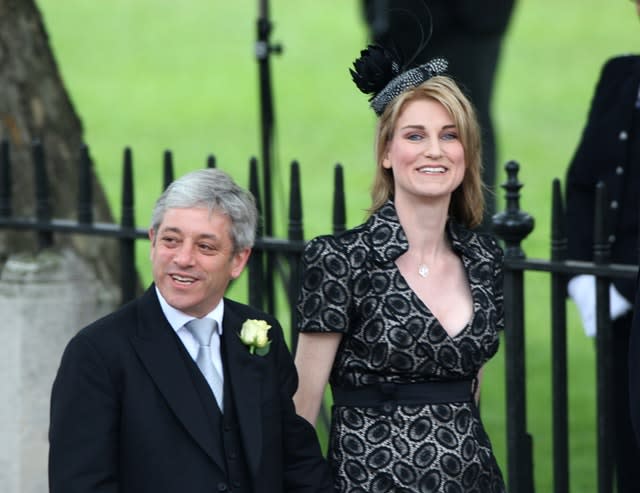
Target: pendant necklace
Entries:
(423, 269)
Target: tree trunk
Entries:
(34, 105)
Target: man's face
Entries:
(193, 260)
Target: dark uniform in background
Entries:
(634, 367)
(469, 34)
(609, 151)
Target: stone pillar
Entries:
(44, 300)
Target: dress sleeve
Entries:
(325, 295)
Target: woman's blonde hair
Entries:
(467, 201)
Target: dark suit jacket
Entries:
(608, 149)
(634, 368)
(126, 416)
(605, 154)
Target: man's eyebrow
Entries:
(176, 229)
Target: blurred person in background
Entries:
(609, 151)
(634, 366)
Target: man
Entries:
(141, 404)
(608, 152)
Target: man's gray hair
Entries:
(214, 190)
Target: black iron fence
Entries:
(513, 226)
(278, 260)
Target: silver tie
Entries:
(205, 331)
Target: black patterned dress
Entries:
(352, 285)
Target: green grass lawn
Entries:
(161, 74)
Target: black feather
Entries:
(374, 69)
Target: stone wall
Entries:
(44, 301)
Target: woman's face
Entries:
(425, 153)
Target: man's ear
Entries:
(152, 239)
(239, 261)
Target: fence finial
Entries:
(512, 225)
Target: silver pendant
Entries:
(423, 270)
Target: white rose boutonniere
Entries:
(254, 334)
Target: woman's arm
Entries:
(314, 358)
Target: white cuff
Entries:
(582, 290)
(619, 304)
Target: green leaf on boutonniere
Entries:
(263, 351)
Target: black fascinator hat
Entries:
(379, 73)
(387, 70)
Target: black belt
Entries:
(385, 394)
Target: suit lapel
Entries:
(245, 373)
(156, 345)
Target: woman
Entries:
(400, 313)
